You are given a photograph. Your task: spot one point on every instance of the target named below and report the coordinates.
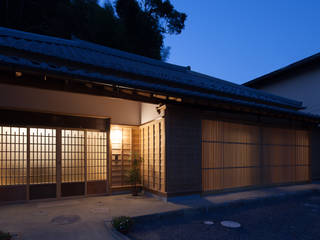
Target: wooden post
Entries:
(109, 163)
(159, 153)
(85, 164)
(58, 162)
(28, 163)
(148, 142)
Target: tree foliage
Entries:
(137, 26)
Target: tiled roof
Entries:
(99, 56)
(110, 79)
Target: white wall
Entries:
(304, 87)
(120, 111)
(148, 112)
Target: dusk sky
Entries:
(238, 40)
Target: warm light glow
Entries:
(18, 74)
(116, 136)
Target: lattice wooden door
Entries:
(40, 163)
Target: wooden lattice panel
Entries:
(13, 156)
(238, 155)
(42, 156)
(40, 163)
(97, 154)
(72, 156)
(152, 143)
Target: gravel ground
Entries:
(285, 219)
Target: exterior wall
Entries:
(240, 155)
(120, 111)
(183, 155)
(148, 112)
(269, 151)
(303, 87)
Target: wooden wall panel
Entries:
(278, 136)
(240, 177)
(212, 179)
(278, 174)
(153, 155)
(212, 155)
(275, 155)
(212, 132)
(302, 173)
(240, 133)
(238, 155)
(302, 156)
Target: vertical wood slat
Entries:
(238, 155)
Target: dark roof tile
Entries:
(95, 55)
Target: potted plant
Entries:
(133, 175)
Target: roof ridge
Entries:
(82, 44)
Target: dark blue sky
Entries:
(238, 40)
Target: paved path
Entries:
(36, 220)
(291, 218)
(51, 220)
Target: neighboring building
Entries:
(74, 114)
(300, 81)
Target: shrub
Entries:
(5, 236)
(122, 224)
(133, 175)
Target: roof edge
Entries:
(270, 77)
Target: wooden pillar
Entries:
(109, 163)
(85, 163)
(58, 162)
(28, 164)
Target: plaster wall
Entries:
(302, 87)
(148, 112)
(31, 99)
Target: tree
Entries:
(130, 25)
(146, 23)
(170, 20)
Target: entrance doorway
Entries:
(37, 163)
